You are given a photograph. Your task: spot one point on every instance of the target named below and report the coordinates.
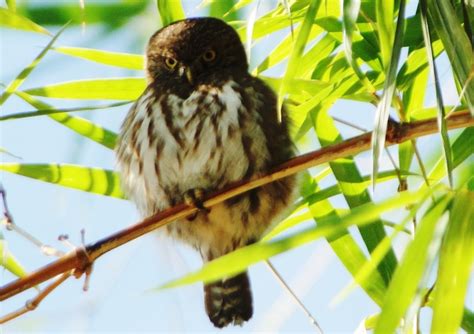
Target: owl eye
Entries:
(171, 62)
(209, 55)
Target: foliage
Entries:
(362, 51)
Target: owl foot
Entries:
(195, 197)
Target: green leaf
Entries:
(240, 259)
(455, 265)
(11, 5)
(9, 262)
(456, 43)
(219, 9)
(353, 189)
(383, 108)
(170, 11)
(384, 11)
(468, 321)
(44, 112)
(90, 89)
(13, 86)
(350, 13)
(297, 52)
(417, 260)
(93, 180)
(123, 60)
(79, 125)
(9, 19)
(443, 128)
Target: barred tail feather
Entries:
(229, 301)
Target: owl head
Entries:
(194, 51)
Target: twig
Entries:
(293, 295)
(80, 260)
(11, 226)
(32, 304)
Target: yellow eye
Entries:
(171, 62)
(209, 56)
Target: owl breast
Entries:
(170, 145)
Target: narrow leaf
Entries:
(455, 266)
(9, 19)
(123, 60)
(383, 108)
(9, 262)
(79, 125)
(416, 261)
(44, 112)
(298, 49)
(93, 180)
(456, 43)
(170, 11)
(240, 259)
(443, 129)
(13, 86)
(90, 89)
(384, 11)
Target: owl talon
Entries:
(194, 197)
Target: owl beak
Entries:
(189, 75)
(186, 71)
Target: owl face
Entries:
(192, 52)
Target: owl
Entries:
(202, 123)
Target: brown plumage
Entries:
(203, 122)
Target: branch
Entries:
(80, 259)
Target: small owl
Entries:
(202, 123)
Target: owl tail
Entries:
(229, 301)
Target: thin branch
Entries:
(293, 295)
(32, 304)
(80, 259)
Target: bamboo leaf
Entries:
(383, 108)
(44, 112)
(384, 11)
(456, 43)
(297, 52)
(455, 265)
(90, 89)
(123, 60)
(93, 180)
(443, 129)
(418, 258)
(15, 84)
(79, 125)
(9, 262)
(11, 5)
(9, 19)
(240, 259)
(351, 10)
(170, 11)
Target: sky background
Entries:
(120, 299)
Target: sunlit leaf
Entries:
(91, 89)
(93, 180)
(455, 266)
(240, 259)
(13, 86)
(298, 48)
(383, 108)
(9, 262)
(456, 43)
(123, 60)
(170, 11)
(9, 19)
(442, 126)
(44, 112)
(79, 125)
(417, 260)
